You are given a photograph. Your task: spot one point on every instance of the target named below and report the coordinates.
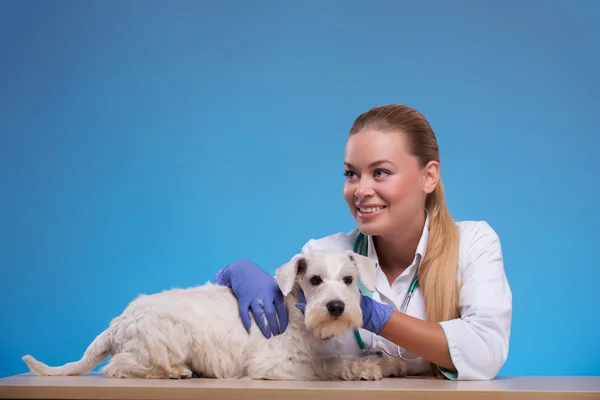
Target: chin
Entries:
(372, 225)
(324, 327)
(370, 228)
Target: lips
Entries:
(364, 209)
(369, 210)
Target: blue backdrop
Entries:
(145, 145)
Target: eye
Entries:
(347, 280)
(316, 280)
(349, 174)
(378, 172)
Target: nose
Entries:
(363, 189)
(335, 308)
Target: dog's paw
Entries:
(362, 370)
(180, 373)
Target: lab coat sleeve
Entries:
(478, 341)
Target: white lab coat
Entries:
(478, 341)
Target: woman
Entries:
(459, 315)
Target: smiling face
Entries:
(385, 186)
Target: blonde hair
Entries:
(437, 273)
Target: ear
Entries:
(431, 176)
(367, 269)
(287, 273)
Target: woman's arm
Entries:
(474, 346)
(427, 339)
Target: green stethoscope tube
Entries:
(361, 247)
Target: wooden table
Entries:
(95, 386)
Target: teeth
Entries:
(369, 209)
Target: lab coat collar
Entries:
(422, 246)
(383, 286)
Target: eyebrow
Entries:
(373, 164)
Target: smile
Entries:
(370, 209)
(369, 212)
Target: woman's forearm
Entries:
(426, 339)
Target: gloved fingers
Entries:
(282, 312)
(301, 305)
(259, 316)
(244, 308)
(375, 314)
(301, 298)
(221, 277)
(269, 308)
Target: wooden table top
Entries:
(95, 386)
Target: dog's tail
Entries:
(96, 352)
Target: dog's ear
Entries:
(287, 273)
(367, 269)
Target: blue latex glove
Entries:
(375, 314)
(257, 292)
(301, 304)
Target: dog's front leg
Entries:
(350, 368)
(393, 366)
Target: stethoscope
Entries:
(361, 247)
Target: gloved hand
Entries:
(257, 292)
(374, 313)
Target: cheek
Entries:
(309, 290)
(401, 188)
(349, 191)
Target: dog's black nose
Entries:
(335, 308)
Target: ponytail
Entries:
(438, 270)
(437, 273)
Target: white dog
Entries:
(179, 332)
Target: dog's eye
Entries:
(347, 280)
(316, 280)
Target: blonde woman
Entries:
(442, 302)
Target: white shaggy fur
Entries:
(175, 333)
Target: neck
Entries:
(397, 251)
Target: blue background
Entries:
(145, 145)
